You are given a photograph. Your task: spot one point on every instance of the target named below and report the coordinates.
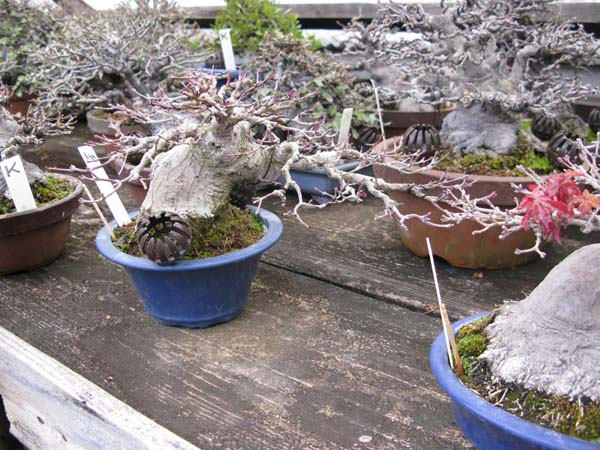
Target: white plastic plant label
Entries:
(345, 124)
(227, 48)
(18, 186)
(106, 188)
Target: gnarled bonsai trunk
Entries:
(195, 179)
(550, 341)
(480, 131)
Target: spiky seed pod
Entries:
(545, 126)
(367, 136)
(164, 238)
(421, 137)
(563, 145)
(594, 120)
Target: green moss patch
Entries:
(52, 190)
(505, 166)
(230, 230)
(578, 418)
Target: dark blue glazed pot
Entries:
(315, 182)
(221, 75)
(196, 293)
(489, 427)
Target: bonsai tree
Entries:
(496, 61)
(24, 28)
(205, 150)
(545, 342)
(115, 57)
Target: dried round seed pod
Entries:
(421, 137)
(594, 120)
(563, 145)
(367, 136)
(164, 238)
(545, 126)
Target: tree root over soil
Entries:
(579, 417)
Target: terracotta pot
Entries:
(32, 239)
(19, 104)
(101, 125)
(399, 121)
(136, 188)
(457, 244)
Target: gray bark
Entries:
(195, 179)
(550, 340)
(475, 130)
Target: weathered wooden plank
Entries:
(588, 12)
(346, 246)
(50, 406)
(306, 365)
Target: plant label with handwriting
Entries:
(226, 47)
(106, 188)
(18, 186)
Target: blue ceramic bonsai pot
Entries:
(221, 75)
(195, 293)
(315, 182)
(489, 427)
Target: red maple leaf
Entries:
(551, 205)
(586, 203)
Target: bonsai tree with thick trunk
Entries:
(495, 60)
(205, 148)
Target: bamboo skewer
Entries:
(451, 346)
(102, 218)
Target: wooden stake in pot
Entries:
(451, 346)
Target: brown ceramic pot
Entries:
(20, 104)
(457, 244)
(32, 239)
(101, 125)
(584, 106)
(398, 121)
(136, 188)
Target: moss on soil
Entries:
(579, 418)
(53, 189)
(506, 165)
(230, 230)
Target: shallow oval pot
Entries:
(195, 293)
(457, 244)
(31, 239)
(489, 427)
